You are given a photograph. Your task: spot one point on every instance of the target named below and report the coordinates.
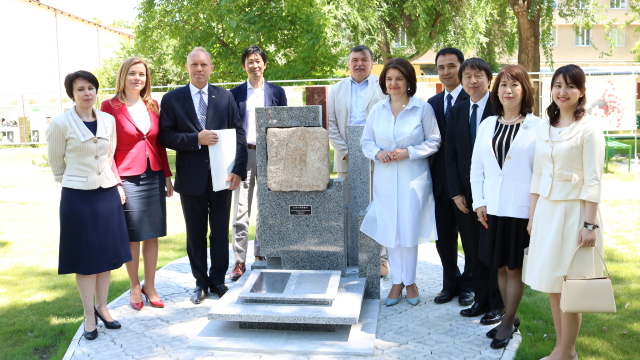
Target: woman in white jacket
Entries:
(501, 169)
(400, 133)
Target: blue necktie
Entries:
(446, 111)
(202, 109)
(473, 120)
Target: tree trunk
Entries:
(529, 40)
(383, 44)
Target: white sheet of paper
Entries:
(222, 157)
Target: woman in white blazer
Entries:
(400, 133)
(93, 233)
(565, 192)
(501, 169)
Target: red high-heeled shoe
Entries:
(155, 304)
(136, 306)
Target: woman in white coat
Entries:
(565, 192)
(501, 169)
(401, 132)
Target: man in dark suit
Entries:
(462, 126)
(255, 92)
(188, 119)
(453, 283)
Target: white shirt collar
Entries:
(482, 102)
(454, 93)
(365, 81)
(249, 86)
(194, 89)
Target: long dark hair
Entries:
(572, 74)
(519, 74)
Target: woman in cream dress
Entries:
(400, 133)
(565, 192)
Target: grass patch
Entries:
(602, 336)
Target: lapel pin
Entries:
(213, 96)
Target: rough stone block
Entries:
(297, 159)
(369, 262)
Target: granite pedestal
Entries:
(299, 230)
(318, 95)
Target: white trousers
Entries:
(403, 262)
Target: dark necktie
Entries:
(473, 120)
(202, 110)
(446, 110)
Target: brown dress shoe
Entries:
(237, 271)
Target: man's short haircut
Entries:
(450, 51)
(254, 49)
(80, 74)
(196, 49)
(362, 48)
(475, 64)
(407, 70)
(519, 74)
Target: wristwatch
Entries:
(590, 227)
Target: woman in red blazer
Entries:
(144, 169)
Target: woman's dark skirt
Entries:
(93, 233)
(504, 242)
(146, 207)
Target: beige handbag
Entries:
(584, 294)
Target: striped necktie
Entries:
(473, 121)
(446, 111)
(202, 110)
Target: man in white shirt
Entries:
(255, 92)
(350, 101)
(454, 282)
(461, 129)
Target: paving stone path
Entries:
(427, 331)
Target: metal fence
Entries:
(25, 117)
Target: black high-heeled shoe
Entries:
(492, 333)
(90, 335)
(501, 343)
(108, 324)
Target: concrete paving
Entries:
(426, 331)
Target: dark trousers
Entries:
(447, 215)
(214, 207)
(484, 279)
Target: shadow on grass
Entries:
(4, 243)
(44, 310)
(602, 336)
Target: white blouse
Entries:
(140, 115)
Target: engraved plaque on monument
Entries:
(271, 282)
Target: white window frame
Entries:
(618, 34)
(617, 4)
(582, 37)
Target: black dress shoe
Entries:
(501, 343)
(90, 335)
(444, 297)
(199, 294)
(476, 309)
(492, 333)
(219, 289)
(492, 317)
(108, 324)
(465, 298)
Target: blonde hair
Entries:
(145, 93)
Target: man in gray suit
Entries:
(350, 101)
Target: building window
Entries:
(617, 36)
(583, 37)
(583, 4)
(618, 4)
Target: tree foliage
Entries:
(301, 37)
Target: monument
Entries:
(308, 298)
